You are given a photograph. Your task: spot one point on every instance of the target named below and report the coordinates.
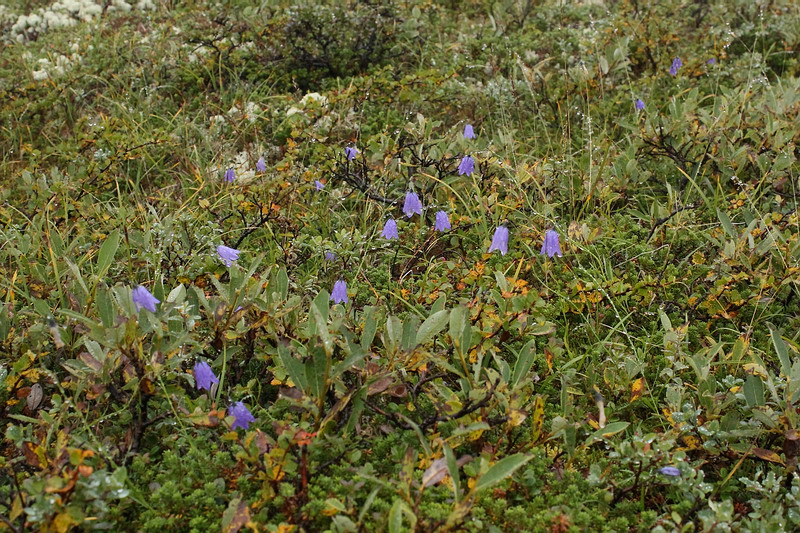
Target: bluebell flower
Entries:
(670, 471)
(469, 133)
(203, 376)
(330, 256)
(712, 61)
(351, 152)
(551, 246)
(261, 166)
(339, 292)
(676, 65)
(467, 165)
(500, 240)
(143, 299)
(241, 416)
(390, 230)
(227, 255)
(319, 185)
(442, 221)
(230, 175)
(412, 204)
(639, 104)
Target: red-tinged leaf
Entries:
(768, 455)
(236, 516)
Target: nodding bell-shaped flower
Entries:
(319, 185)
(670, 471)
(230, 175)
(339, 292)
(390, 230)
(551, 246)
(639, 104)
(143, 299)
(241, 416)
(203, 376)
(467, 165)
(676, 65)
(469, 133)
(227, 255)
(442, 221)
(412, 204)
(500, 240)
(261, 166)
(351, 152)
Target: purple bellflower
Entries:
(469, 133)
(467, 165)
(442, 221)
(143, 298)
(639, 104)
(330, 256)
(339, 293)
(241, 416)
(319, 185)
(412, 204)
(670, 471)
(230, 175)
(228, 255)
(351, 152)
(203, 376)
(676, 65)
(500, 240)
(551, 246)
(261, 166)
(712, 61)
(390, 230)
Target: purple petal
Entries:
(467, 165)
(227, 255)
(412, 204)
(390, 230)
(442, 221)
(241, 416)
(143, 299)
(203, 376)
(339, 292)
(500, 240)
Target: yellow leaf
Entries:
(63, 523)
(538, 418)
(637, 388)
(691, 442)
(755, 369)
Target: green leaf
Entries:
(452, 468)
(727, 225)
(432, 325)
(400, 508)
(322, 328)
(523, 364)
(753, 391)
(293, 367)
(608, 431)
(780, 349)
(370, 327)
(501, 470)
(107, 252)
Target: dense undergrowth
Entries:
(646, 379)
